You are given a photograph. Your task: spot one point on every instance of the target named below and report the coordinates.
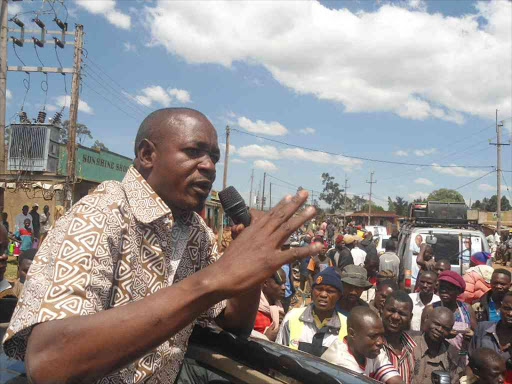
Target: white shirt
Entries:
(417, 309)
(20, 220)
(358, 255)
(379, 368)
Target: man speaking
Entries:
(117, 285)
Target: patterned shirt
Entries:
(115, 246)
(404, 362)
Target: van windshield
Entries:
(447, 247)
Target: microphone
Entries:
(234, 206)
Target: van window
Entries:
(447, 247)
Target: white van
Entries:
(452, 243)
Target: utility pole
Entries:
(3, 81)
(270, 203)
(345, 203)
(73, 114)
(371, 182)
(498, 145)
(250, 193)
(312, 197)
(226, 158)
(263, 195)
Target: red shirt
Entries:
(262, 322)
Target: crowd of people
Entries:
(360, 317)
(137, 253)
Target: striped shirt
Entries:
(404, 362)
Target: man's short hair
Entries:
(388, 283)
(27, 255)
(503, 271)
(429, 272)
(481, 357)
(401, 297)
(25, 206)
(444, 261)
(390, 245)
(358, 315)
(371, 256)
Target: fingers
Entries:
(290, 226)
(292, 254)
(284, 210)
(236, 230)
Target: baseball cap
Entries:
(339, 239)
(480, 258)
(35, 205)
(355, 275)
(454, 278)
(349, 239)
(328, 277)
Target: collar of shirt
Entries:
(424, 349)
(333, 322)
(407, 342)
(320, 324)
(146, 205)
(362, 367)
(417, 299)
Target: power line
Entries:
(360, 157)
(109, 101)
(471, 182)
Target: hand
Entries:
(271, 332)
(468, 335)
(237, 229)
(256, 253)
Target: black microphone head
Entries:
(234, 206)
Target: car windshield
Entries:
(447, 247)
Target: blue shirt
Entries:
(288, 291)
(26, 239)
(494, 315)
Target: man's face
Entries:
(467, 243)
(35, 209)
(27, 223)
(428, 254)
(448, 292)
(396, 316)
(325, 297)
(24, 210)
(23, 269)
(368, 339)
(351, 293)
(441, 266)
(183, 164)
(418, 240)
(4, 242)
(46, 209)
(371, 266)
(381, 295)
(427, 283)
(438, 328)
(493, 373)
(506, 311)
(500, 284)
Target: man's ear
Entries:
(146, 154)
(351, 332)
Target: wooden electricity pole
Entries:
(226, 159)
(263, 195)
(73, 114)
(371, 182)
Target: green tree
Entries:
(505, 204)
(446, 195)
(492, 204)
(375, 208)
(401, 206)
(99, 146)
(82, 133)
(332, 193)
(391, 205)
(358, 202)
(477, 205)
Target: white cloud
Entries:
(272, 128)
(107, 8)
(8, 94)
(129, 47)
(397, 58)
(237, 161)
(458, 171)
(255, 150)
(422, 180)
(156, 94)
(320, 157)
(14, 8)
(307, 131)
(401, 153)
(180, 94)
(418, 195)
(265, 164)
(487, 187)
(232, 148)
(424, 152)
(64, 101)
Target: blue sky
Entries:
(404, 81)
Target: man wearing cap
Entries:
(354, 281)
(319, 262)
(340, 255)
(20, 218)
(358, 255)
(36, 224)
(488, 307)
(451, 285)
(314, 328)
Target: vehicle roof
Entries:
(446, 230)
(265, 355)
